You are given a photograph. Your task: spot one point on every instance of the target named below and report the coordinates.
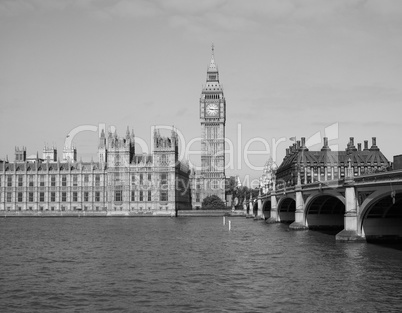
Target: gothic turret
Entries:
(120, 150)
(20, 154)
(70, 154)
(166, 149)
(128, 134)
(49, 154)
(102, 150)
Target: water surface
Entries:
(189, 265)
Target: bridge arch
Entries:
(381, 215)
(287, 209)
(325, 210)
(266, 208)
(255, 208)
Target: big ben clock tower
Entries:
(213, 119)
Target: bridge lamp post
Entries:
(269, 181)
(264, 187)
(264, 179)
(268, 176)
(261, 187)
(274, 168)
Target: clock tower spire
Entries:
(213, 120)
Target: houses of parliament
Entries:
(121, 181)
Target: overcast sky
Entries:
(288, 68)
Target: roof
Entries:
(212, 66)
(334, 158)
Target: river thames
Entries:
(189, 265)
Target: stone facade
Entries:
(120, 182)
(210, 180)
(327, 165)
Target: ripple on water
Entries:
(188, 265)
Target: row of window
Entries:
(335, 168)
(63, 180)
(52, 197)
(118, 196)
(313, 177)
(41, 178)
(85, 208)
(143, 196)
(142, 178)
(338, 172)
(213, 96)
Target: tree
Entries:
(213, 203)
(230, 185)
(243, 193)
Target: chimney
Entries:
(287, 152)
(303, 144)
(352, 144)
(366, 145)
(325, 147)
(359, 146)
(374, 144)
(293, 148)
(298, 145)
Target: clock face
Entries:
(212, 109)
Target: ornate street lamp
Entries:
(274, 168)
(267, 180)
(261, 186)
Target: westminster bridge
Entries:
(366, 207)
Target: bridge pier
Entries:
(300, 214)
(260, 213)
(259, 205)
(351, 230)
(245, 209)
(274, 218)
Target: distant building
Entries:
(327, 165)
(120, 180)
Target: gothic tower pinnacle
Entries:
(212, 72)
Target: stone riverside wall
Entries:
(180, 213)
(209, 213)
(5, 214)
